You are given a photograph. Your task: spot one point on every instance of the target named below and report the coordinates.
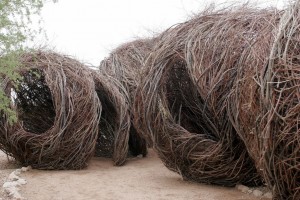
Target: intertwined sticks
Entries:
(124, 65)
(66, 114)
(114, 125)
(220, 98)
(58, 113)
(271, 130)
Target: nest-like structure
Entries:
(221, 98)
(114, 124)
(183, 98)
(124, 64)
(266, 109)
(57, 110)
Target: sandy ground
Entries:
(6, 167)
(140, 178)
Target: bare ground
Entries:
(140, 178)
(7, 165)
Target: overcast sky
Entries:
(90, 29)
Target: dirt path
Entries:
(139, 179)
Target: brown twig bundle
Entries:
(124, 64)
(58, 113)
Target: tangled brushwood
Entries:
(124, 65)
(58, 113)
(220, 98)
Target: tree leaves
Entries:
(15, 30)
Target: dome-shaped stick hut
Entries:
(124, 64)
(57, 110)
(221, 95)
(183, 99)
(114, 125)
(265, 102)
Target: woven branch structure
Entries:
(266, 97)
(217, 97)
(220, 98)
(114, 125)
(58, 113)
(124, 64)
(66, 114)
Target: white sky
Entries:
(90, 29)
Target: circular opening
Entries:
(191, 112)
(185, 104)
(34, 102)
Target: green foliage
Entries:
(15, 29)
(15, 18)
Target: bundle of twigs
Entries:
(58, 113)
(124, 64)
